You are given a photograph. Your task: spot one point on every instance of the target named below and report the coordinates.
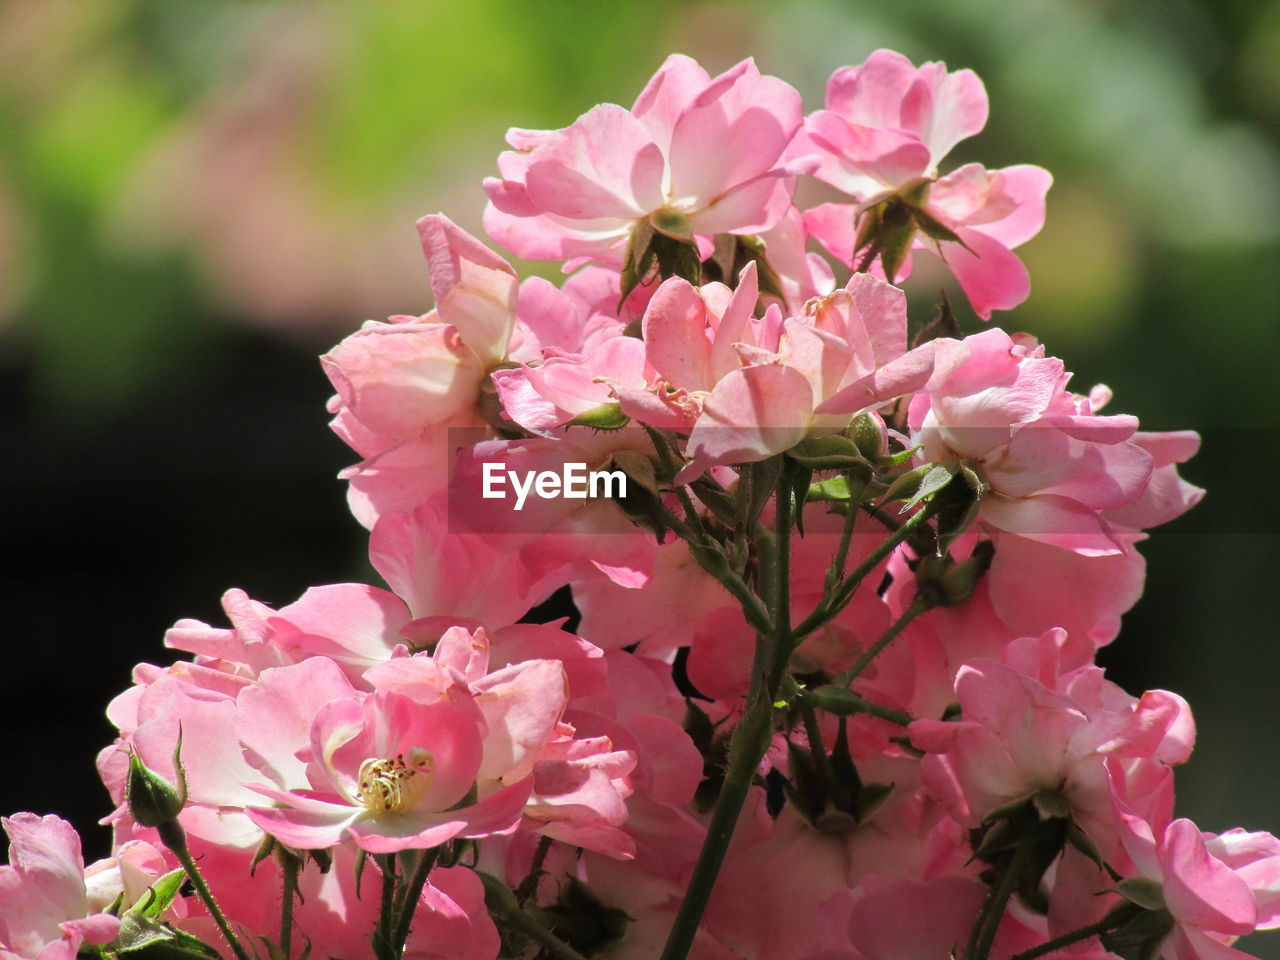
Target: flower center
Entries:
(394, 785)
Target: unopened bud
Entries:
(153, 800)
(869, 434)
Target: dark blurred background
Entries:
(198, 197)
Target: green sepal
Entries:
(832, 489)
(800, 478)
(764, 480)
(753, 248)
(639, 259)
(944, 581)
(830, 698)
(713, 496)
(583, 921)
(1145, 931)
(672, 223)
(153, 801)
(159, 895)
(264, 850)
(1146, 893)
(919, 483)
(607, 416)
(934, 229)
(834, 452)
(1084, 843)
(891, 460)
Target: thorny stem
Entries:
(530, 883)
(753, 734)
(752, 608)
(984, 930)
(289, 871)
(410, 895)
(917, 607)
(838, 598)
(856, 486)
(176, 841)
(1108, 923)
(382, 932)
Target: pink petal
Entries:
(1201, 890)
(604, 165)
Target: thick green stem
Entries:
(838, 599)
(750, 740)
(382, 932)
(289, 873)
(176, 840)
(983, 934)
(917, 607)
(753, 734)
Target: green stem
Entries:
(856, 487)
(386, 912)
(410, 895)
(984, 931)
(750, 740)
(1111, 921)
(752, 608)
(843, 593)
(754, 732)
(289, 870)
(781, 643)
(917, 607)
(529, 885)
(885, 713)
(816, 747)
(669, 465)
(176, 840)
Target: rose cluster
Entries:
(830, 690)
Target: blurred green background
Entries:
(197, 197)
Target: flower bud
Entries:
(869, 434)
(153, 800)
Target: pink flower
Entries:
(441, 748)
(409, 391)
(1026, 728)
(44, 905)
(708, 150)
(1216, 888)
(849, 343)
(1053, 469)
(886, 127)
